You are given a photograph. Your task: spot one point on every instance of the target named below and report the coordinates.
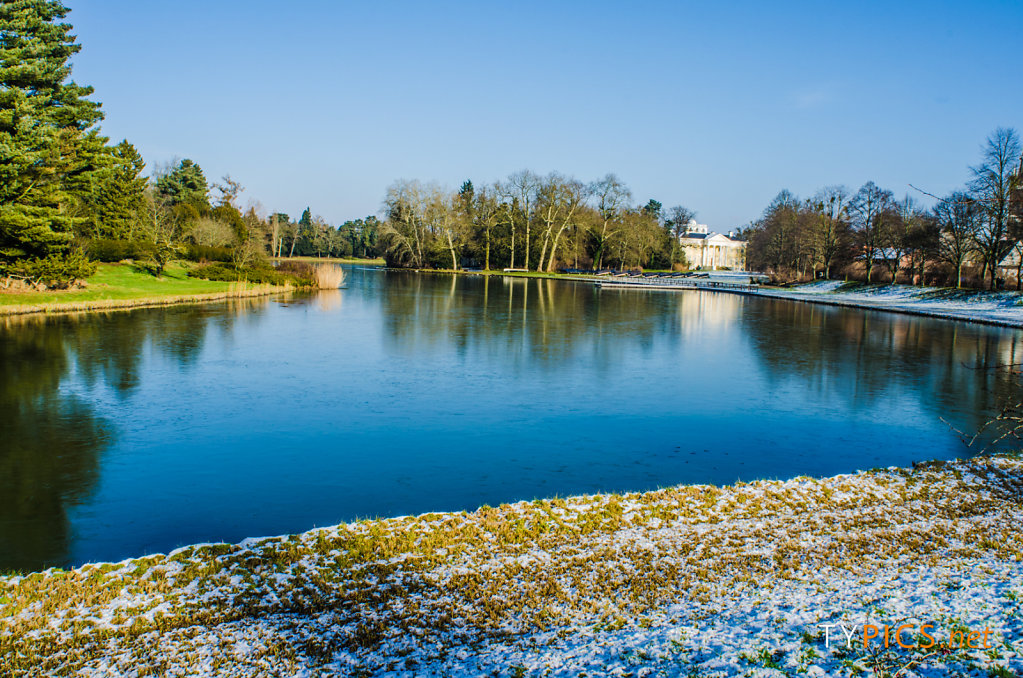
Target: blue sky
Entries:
(715, 105)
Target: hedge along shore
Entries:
(683, 581)
(244, 290)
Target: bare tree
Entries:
(958, 218)
(276, 235)
(612, 199)
(781, 222)
(405, 227)
(573, 195)
(211, 233)
(870, 208)
(486, 213)
(159, 223)
(522, 185)
(229, 190)
(895, 237)
(442, 217)
(992, 185)
(678, 220)
(831, 224)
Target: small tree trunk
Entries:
(527, 244)
(511, 219)
(451, 246)
(486, 265)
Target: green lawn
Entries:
(123, 281)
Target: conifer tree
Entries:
(45, 134)
(119, 197)
(186, 185)
(305, 222)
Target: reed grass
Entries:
(329, 276)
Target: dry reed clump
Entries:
(383, 595)
(329, 276)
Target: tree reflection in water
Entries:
(51, 439)
(863, 358)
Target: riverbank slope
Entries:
(995, 308)
(693, 580)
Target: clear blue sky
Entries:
(715, 105)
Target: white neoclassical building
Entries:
(709, 251)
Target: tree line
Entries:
(869, 234)
(529, 222)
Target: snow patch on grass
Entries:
(694, 580)
(978, 306)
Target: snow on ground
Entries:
(692, 580)
(1002, 308)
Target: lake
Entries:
(128, 433)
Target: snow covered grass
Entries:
(691, 580)
(1002, 308)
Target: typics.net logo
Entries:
(908, 636)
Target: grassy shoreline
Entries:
(689, 580)
(122, 286)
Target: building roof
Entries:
(711, 236)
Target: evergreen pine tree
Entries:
(186, 185)
(306, 221)
(119, 197)
(45, 134)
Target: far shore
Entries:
(1003, 308)
(122, 286)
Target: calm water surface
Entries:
(137, 432)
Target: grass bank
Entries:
(690, 580)
(125, 286)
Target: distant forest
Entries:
(69, 198)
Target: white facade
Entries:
(709, 251)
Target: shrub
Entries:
(207, 253)
(57, 271)
(299, 269)
(254, 274)
(217, 271)
(104, 249)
